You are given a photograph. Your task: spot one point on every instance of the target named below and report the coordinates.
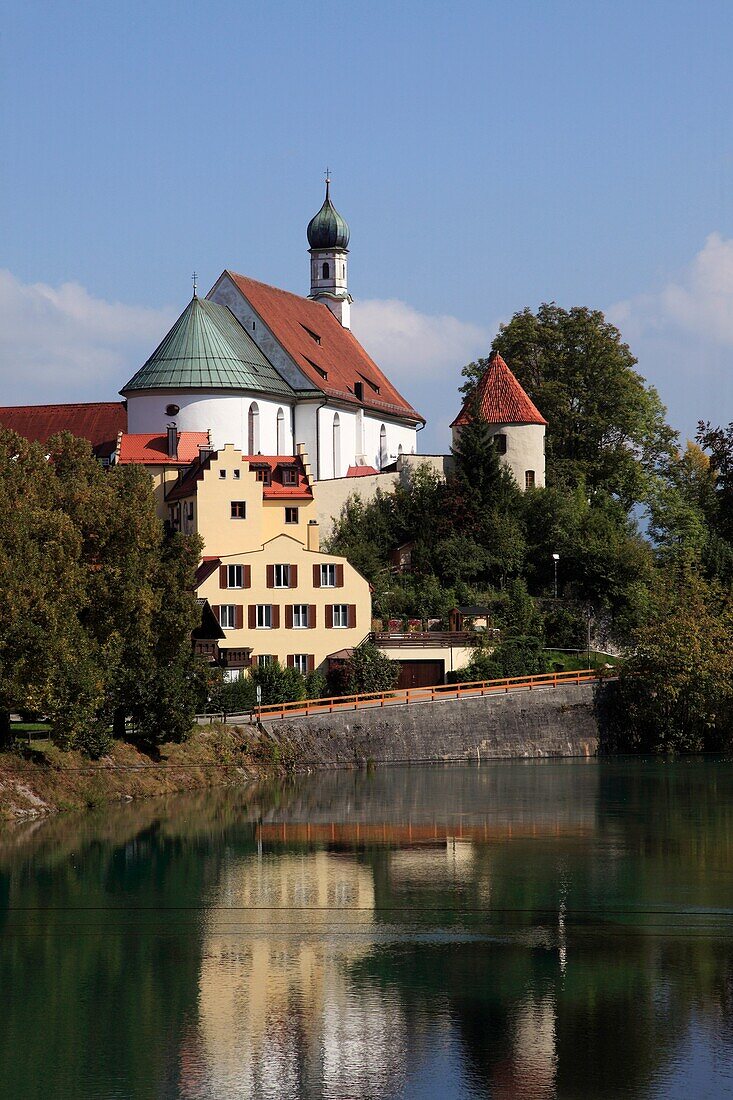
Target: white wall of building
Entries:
(225, 415)
(382, 448)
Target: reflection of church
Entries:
(277, 1014)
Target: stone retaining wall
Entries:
(539, 723)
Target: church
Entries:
(264, 370)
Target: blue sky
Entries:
(487, 156)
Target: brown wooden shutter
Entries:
(215, 607)
(311, 662)
(275, 616)
(238, 616)
(352, 616)
(311, 616)
(293, 576)
(316, 576)
(271, 576)
(223, 576)
(247, 576)
(252, 617)
(329, 615)
(291, 660)
(288, 616)
(339, 576)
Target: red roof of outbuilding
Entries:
(99, 421)
(328, 354)
(500, 398)
(151, 448)
(360, 471)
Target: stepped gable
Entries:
(501, 399)
(98, 421)
(327, 353)
(207, 348)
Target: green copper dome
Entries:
(207, 348)
(328, 229)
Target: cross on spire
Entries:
(328, 180)
(195, 280)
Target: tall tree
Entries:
(607, 427)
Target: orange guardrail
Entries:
(402, 696)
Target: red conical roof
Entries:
(500, 398)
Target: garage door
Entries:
(421, 673)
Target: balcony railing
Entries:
(435, 639)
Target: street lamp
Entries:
(556, 559)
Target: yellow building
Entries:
(276, 595)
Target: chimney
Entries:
(314, 539)
(172, 431)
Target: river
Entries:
(514, 930)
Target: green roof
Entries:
(207, 348)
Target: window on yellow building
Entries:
(341, 614)
(264, 616)
(239, 509)
(300, 615)
(235, 576)
(291, 515)
(282, 576)
(228, 616)
(300, 661)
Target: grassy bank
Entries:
(40, 779)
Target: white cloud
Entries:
(411, 346)
(61, 344)
(682, 335)
(699, 303)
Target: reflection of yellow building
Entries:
(276, 1008)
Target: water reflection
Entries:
(517, 930)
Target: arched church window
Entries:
(253, 429)
(280, 445)
(326, 271)
(382, 446)
(336, 445)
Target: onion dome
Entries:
(328, 229)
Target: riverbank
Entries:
(45, 780)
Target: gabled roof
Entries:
(328, 354)
(206, 567)
(99, 421)
(151, 449)
(500, 398)
(207, 348)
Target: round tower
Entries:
(328, 237)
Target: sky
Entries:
(487, 156)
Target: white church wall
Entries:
(396, 436)
(224, 415)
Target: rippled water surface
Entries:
(513, 930)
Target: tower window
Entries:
(500, 443)
(326, 271)
(529, 479)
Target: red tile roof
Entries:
(98, 421)
(320, 345)
(151, 448)
(277, 490)
(360, 471)
(501, 399)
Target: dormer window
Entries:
(262, 473)
(359, 391)
(313, 335)
(290, 475)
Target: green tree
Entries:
(279, 684)
(367, 670)
(676, 689)
(607, 427)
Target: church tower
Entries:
(328, 237)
